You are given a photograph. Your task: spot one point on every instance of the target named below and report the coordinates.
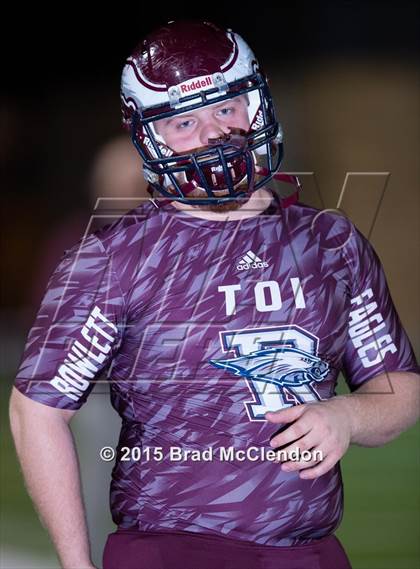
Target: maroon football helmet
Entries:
(185, 66)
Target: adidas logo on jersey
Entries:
(251, 261)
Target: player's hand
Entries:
(323, 426)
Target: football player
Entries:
(223, 316)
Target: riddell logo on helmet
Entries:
(164, 149)
(199, 83)
(258, 121)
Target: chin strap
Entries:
(280, 176)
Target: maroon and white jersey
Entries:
(201, 327)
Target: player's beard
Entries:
(231, 205)
(241, 187)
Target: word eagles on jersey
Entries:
(201, 327)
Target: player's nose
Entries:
(212, 129)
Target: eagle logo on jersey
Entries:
(285, 368)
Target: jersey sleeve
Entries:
(376, 340)
(77, 330)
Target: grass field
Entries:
(381, 525)
(380, 529)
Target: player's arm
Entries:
(382, 408)
(74, 338)
(46, 452)
(379, 367)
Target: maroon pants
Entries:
(128, 549)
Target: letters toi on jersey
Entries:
(272, 288)
(86, 355)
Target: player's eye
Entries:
(182, 125)
(225, 111)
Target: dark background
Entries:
(62, 66)
(78, 45)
